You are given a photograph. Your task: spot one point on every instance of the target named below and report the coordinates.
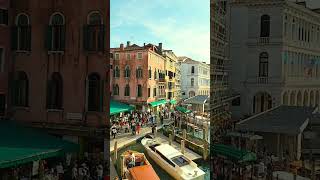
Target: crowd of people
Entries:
(134, 121)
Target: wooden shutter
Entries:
(85, 38)
(14, 38)
(63, 38)
(29, 38)
(49, 38)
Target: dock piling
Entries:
(170, 139)
(205, 152)
(182, 146)
(115, 152)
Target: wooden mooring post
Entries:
(170, 139)
(182, 147)
(205, 151)
(115, 152)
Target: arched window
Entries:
(116, 72)
(265, 26)
(21, 34)
(139, 72)
(192, 69)
(263, 64)
(150, 72)
(115, 90)
(155, 73)
(127, 72)
(192, 82)
(127, 90)
(139, 90)
(56, 35)
(95, 96)
(55, 92)
(21, 89)
(94, 33)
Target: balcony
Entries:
(163, 80)
(264, 80)
(264, 40)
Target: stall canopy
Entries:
(183, 110)
(158, 103)
(19, 145)
(173, 101)
(233, 154)
(117, 107)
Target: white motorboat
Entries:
(172, 161)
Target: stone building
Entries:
(58, 73)
(275, 54)
(138, 74)
(196, 77)
(171, 71)
(4, 55)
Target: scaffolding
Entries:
(221, 94)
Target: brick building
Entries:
(138, 74)
(4, 54)
(59, 52)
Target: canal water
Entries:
(161, 173)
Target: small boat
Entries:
(172, 161)
(141, 170)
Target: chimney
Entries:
(121, 47)
(144, 44)
(160, 47)
(128, 43)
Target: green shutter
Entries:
(14, 38)
(29, 38)
(49, 38)
(63, 38)
(85, 38)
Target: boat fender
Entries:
(195, 173)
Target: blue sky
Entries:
(181, 25)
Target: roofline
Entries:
(259, 114)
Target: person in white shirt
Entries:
(100, 172)
(132, 159)
(75, 172)
(60, 170)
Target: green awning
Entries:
(117, 107)
(20, 145)
(234, 154)
(158, 103)
(183, 110)
(173, 101)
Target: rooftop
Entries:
(281, 119)
(199, 99)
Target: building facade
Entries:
(4, 55)
(275, 52)
(59, 82)
(138, 74)
(196, 77)
(170, 61)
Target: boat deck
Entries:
(190, 154)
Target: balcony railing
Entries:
(262, 80)
(264, 40)
(162, 80)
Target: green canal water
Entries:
(161, 173)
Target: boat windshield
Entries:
(153, 147)
(180, 160)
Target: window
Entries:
(94, 33)
(128, 56)
(1, 60)
(154, 92)
(192, 82)
(116, 72)
(139, 55)
(263, 65)
(265, 26)
(149, 93)
(150, 73)
(127, 72)
(4, 16)
(127, 90)
(56, 33)
(139, 73)
(116, 90)
(95, 92)
(21, 34)
(55, 92)
(155, 73)
(192, 69)
(236, 102)
(2, 104)
(20, 89)
(117, 56)
(139, 91)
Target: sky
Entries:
(180, 25)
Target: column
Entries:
(299, 146)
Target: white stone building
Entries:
(195, 77)
(275, 52)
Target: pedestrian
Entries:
(138, 127)
(75, 172)
(133, 128)
(60, 171)
(100, 172)
(161, 120)
(114, 132)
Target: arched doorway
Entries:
(292, 98)
(191, 94)
(299, 99)
(262, 101)
(2, 104)
(311, 104)
(285, 99)
(305, 98)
